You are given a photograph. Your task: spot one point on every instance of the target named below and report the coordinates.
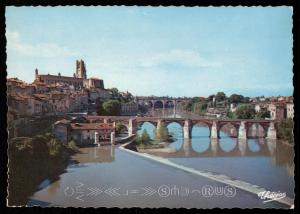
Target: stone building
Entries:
(14, 85)
(79, 79)
(24, 105)
(290, 110)
(277, 111)
(82, 133)
(93, 82)
(128, 109)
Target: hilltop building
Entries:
(79, 79)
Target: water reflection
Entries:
(96, 154)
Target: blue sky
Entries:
(172, 51)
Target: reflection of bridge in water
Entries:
(216, 148)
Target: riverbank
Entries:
(33, 160)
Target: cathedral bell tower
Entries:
(80, 69)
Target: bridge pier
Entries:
(187, 147)
(174, 108)
(112, 138)
(97, 139)
(130, 128)
(187, 129)
(214, 131)
(242, 144)
(243, 130)
(214, 145)
(272, 132)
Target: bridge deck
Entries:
(142, 119)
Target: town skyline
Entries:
(245, 51)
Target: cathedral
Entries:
(79, 79)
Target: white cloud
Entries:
(180, 57)
(15, 43)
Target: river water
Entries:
(111, 177)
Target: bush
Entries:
(39, 146)
(144, 138)
(245, 111)
(55, 147)
(285, 130)
(72, 145)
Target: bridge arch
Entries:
(169, 104)
(228, 144)
(200, 129)
(121, 128)
(158, 104)
(227, 129)
(253, 146)
(256, 130)
(149, 126)
(201, 145)
(175, 126)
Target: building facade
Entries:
(81, 132)
(128, 109)
(290, 110)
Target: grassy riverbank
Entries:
(32, 160)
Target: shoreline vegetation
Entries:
(33, 160)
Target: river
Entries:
(111, 177)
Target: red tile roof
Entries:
(91, 126)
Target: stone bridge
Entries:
(164, 101)
(214, 125)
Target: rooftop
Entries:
(91, 126)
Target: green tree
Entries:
(145, 136)
(120, 128)
(246, 100)
(211, 97)
(54, 147)
(230, 114)
(236, 98)
(188, 106)
(245, 111)
(220, 96)
(100, 109)
(72, 145)
(114, 93)
(285, 130)
(112, 107)
(264, 113)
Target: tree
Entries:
(100, 109)
(245, 111)
(230, 114)
(220, 96)
(128, 97)
(285, 130)
(120, 127)
(145, 137)
(236, 98)
(188, 106)
(264, 113)
(112, 107)
(246, 100)
(211, 97)
(114, 92)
